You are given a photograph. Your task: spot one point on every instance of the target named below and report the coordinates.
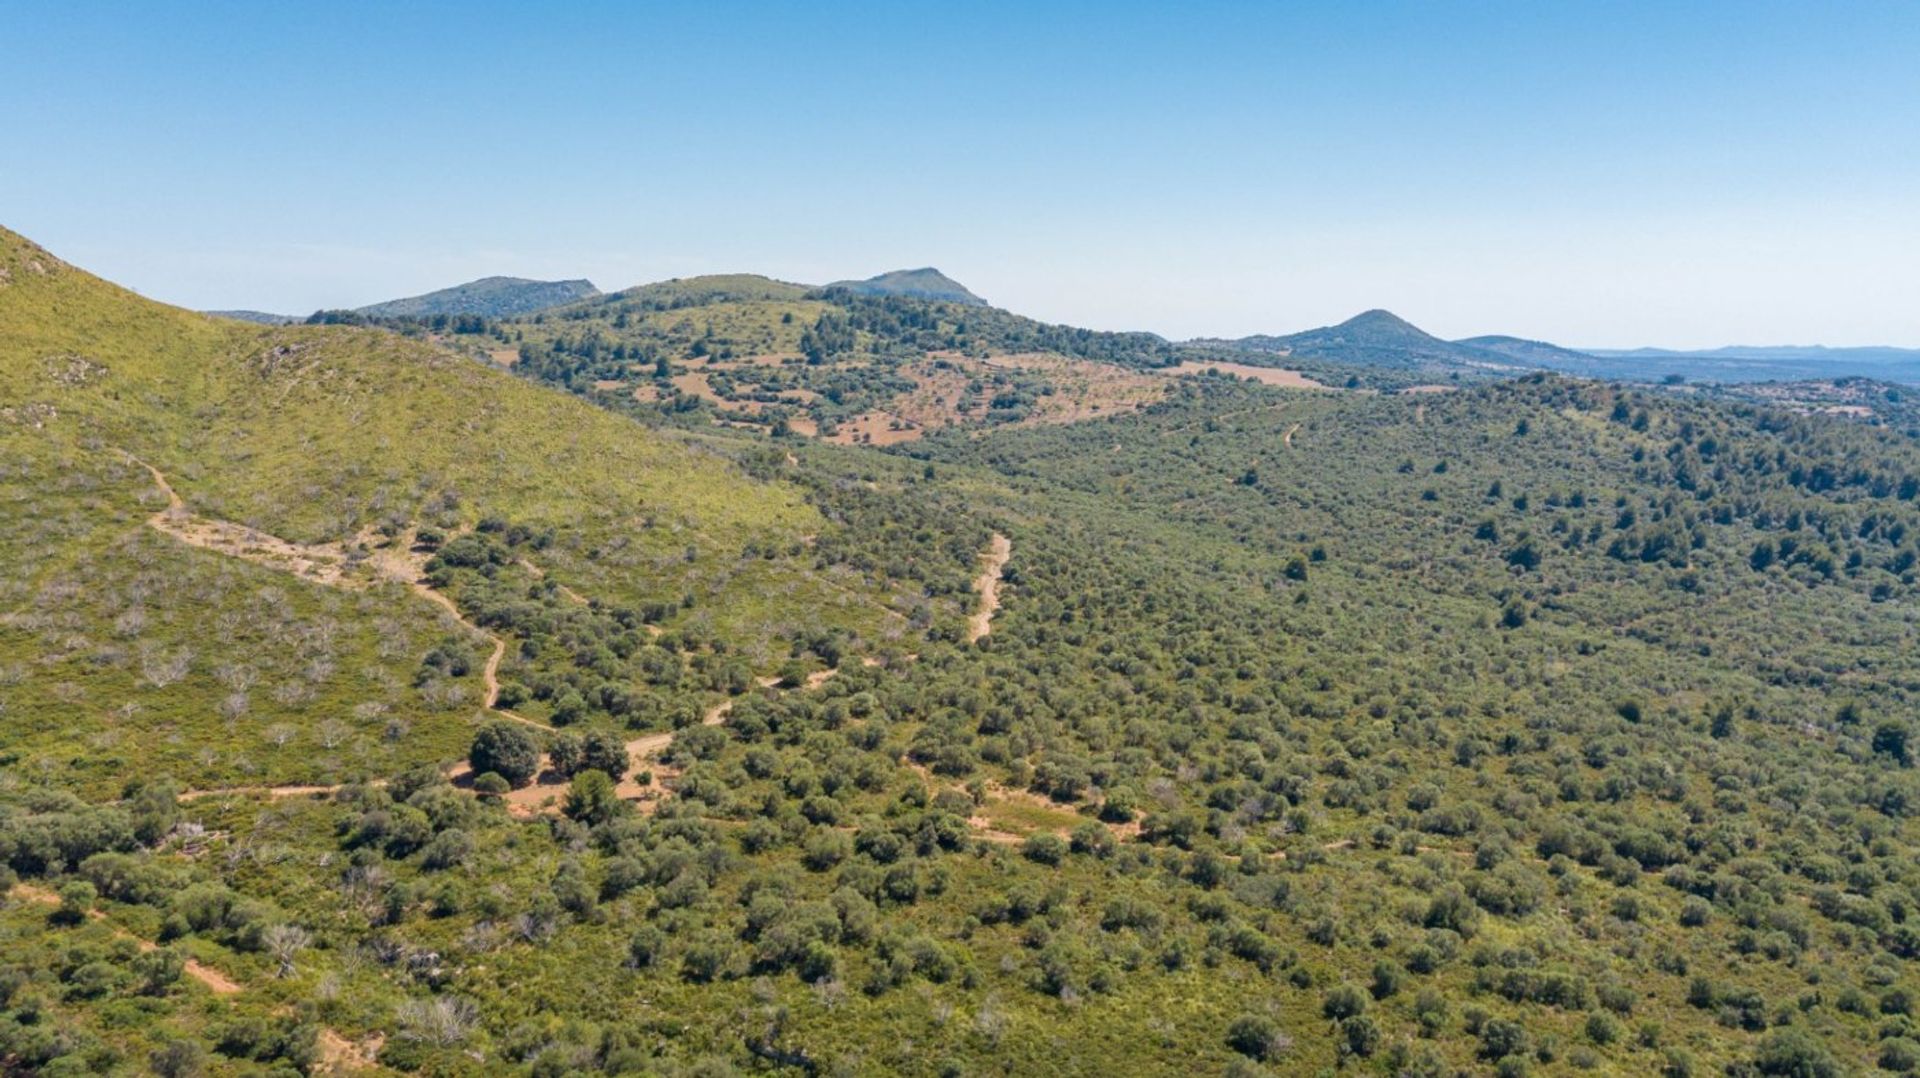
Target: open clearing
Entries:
(1271, 376)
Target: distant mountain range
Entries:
(927, 283)
(1787, 353)
(491, 297)
(1747, 363)
(1381, 339)
(1529, 353)
(262, 317)
(1375, 338)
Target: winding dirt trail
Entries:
(322, 563)
(399, 562)
(490, 672)
(274, 792)
(219, 983)
(571, 596)
(988, 585)
(337, 1053)
(1287, 438)
(329, 563)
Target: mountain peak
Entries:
(1378, 338)
(923, 283)
(1379, 318)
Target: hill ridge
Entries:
(923, 283)
(496, 296)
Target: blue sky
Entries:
(1596, 174)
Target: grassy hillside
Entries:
(345, 439)
(1541, 727)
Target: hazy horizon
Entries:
(1613, 177)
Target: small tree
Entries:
(76, 902)
(1343, 1001)
(591, 798)
(179, 1059)
(1795, 1053)
(1359, 1036)
(1503, 1037)
(284, 943)
(605, 751)
(567, 753)
(1258, 1037)
(1890, 739)
(507, 751)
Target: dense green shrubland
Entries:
(1536, 728)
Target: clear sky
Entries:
(1599, 174)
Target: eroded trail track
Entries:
(322, 563)
(368, 561)
(338, 1054)
(335, 565)
(332, 564)
(988, 585)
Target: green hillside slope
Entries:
(493, 297)
(1540, 727)
(348, 441)
(1381, 339)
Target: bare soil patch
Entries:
(272, 792)
(338, 1055)
(1082, 389)
(988, 585)
(1272, 376)
(876, 428)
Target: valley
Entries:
(754, 677)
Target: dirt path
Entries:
(399, 562)
(651, 745)
(275, 792)
(322, 563)
(571, 596)
(988, 585)
(337, 1053)
(1287, 438)
(219, 983)
(528, 800)
(328, 563)
(212, 978)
